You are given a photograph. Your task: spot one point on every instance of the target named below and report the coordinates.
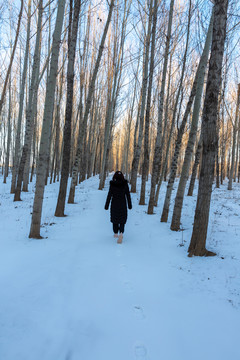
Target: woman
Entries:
(118, 193)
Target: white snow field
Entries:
(78, 295)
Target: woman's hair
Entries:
(118, 176)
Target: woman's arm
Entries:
(128, 198)
(108, 199)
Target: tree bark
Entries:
(20, 112)
(209, 121)
(137, 154)
(29, 111)
(178, 143)
(11, 60)
(72, 39)
(87, 108)
(235, 125)
(48, 106)
(147, 116)
(195, 166)
(177, 211)
(9, 135)
(157, 149)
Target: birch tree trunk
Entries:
(48, 106)
(163, 172)
(29, 111)
(178, 144)
(9, 134)
(114, 96)
(209, 121)
(11, 60)
(147, 116)
(157, 149)
(195, 166)
(87, 108)
(72, 39)
(137, 153)
(20, 112)
(31, 114)
(177, 211)
(235, 128)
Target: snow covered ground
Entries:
(77, 295)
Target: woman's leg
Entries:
(115, 229)
(121, 228)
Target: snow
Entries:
(78, 295)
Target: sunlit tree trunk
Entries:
(235, 129)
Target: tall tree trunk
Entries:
(137, 154)
(11, 60)
(195, 166)
(198, 241)
(72, 39)
(48, 106)
(87, 107)
(32, 115)
(9, 135)
(147, 116)
(114, 96)
(20, 112)
(235, 125)
(178, 144)
(177, 211)
(29, 111)
(157, 149)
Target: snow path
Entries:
(77, 295)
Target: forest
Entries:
(149, 88)
(89, 88)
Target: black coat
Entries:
(120, 196)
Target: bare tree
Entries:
(29, 112)
(137, 153)
(72, 39)
(157, 149)
(47, 118)
(20, 112)
(235, 129)
(88, 105)
(145, 166)
(201, 68)
(209, 121)
(11, 59)
(176, 218)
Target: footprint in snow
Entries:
(138, 311)
(68, 355)
(124, 277)
(123, 270)
(140, 352)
